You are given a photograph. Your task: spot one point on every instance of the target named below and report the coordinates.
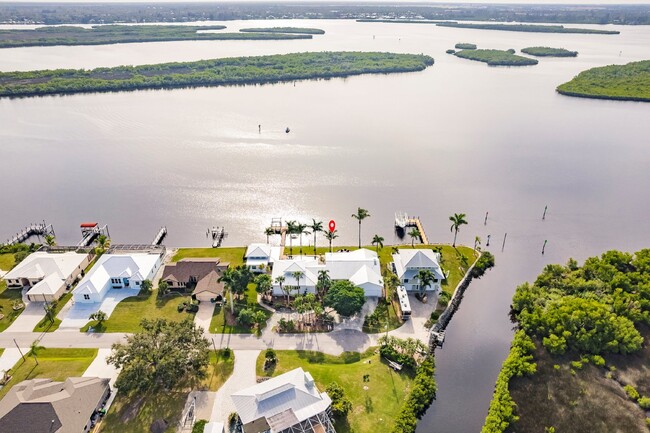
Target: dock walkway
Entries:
(38, 229)
(415, 222)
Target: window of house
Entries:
(193, 279)
(406, 280)
(137, 283)
(87, 297)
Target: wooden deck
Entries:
(415, 222)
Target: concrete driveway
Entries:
(77, 315)
(100, 368)
(10, 357)
(29, 318)
(203, 317)
(242, 377)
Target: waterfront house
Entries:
(47, 275)
(41, 405)
(288, 403)
(258, 257)
(408, 262)
(361, 267)
(116, 271)
(199, 274)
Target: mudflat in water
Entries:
(457, 137)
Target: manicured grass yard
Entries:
(46, 325)
(234, 256)
(7, 297)
(372, 410)
(55, 364)
(220, 325)
(7, 261)
(127, 315)
(136, 413)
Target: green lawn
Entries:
(7, 261)
(234, 256)
(218, 324)
(46, 325)
(7, 297)
(127, 315)
(374, 409)
(55, 364)
(136, 413)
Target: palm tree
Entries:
(414, 233)
(361, 215)
(315, 226)
(291, 230)
(228, 279)
(323, 283)
(301, 229)
(378, 242)
(330, 236)
(50, 240)
(34, 349)
(268, 232)
(477, 243)
(457, 220)
(425, 277)
(298, 275)
(280, 281)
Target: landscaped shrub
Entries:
(199, 426)
(631, 392)
(341, 406)
(286, 325)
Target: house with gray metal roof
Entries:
(408, 262)
(288, 403)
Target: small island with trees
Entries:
(630, 82)
(465, 46)
(288, 30)
(580, 356)
(121, 34)
(532, 28)
(496, 57)
(549, 52)
(215, 72)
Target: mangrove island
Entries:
(214, 72)
(629, 82)
(535, 28)
(549, 52)
(496, 57)
(120, 34)
(291, 30)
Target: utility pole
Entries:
(21, 352)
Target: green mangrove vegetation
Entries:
(496, 57)
(630, 82)
(579, 348)
(465, 46)
(292, 30)
(215, 72)
(535, 28)
(549, 52)
(121, 34)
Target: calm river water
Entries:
(458, 137)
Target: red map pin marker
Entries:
(332, 225)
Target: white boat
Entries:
(401, 219)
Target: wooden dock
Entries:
(160, 236)
(90, 231)
(415, 222)
(38, 229)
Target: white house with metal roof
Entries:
(47, 274)
(258, 257)
(361, 267)
(408, 262)
(288, 403)
(116, 271)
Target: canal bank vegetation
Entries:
(549, 52)
(496, 57)
(121, 34)
(630, 82)
(534, 28)
(215, 72)
(587, 329)
(376, 392)
(290, 30)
